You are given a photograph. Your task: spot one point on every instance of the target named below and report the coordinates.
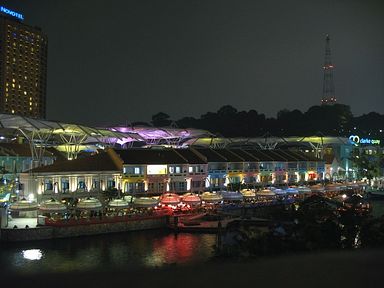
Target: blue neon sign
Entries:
(357, 140)
(12, 13)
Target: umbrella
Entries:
(52, 206)
(231, 195)
(265, 192)
(170, 199)
(118, 203)
(89, 203)
(23, 205)
(211, 197)
(248, 193)
(145, 202)
(191, 199)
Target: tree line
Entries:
(330, 120)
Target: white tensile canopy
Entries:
(211, 197)
(191, 199)
(265, 192)
(118, 204)
(170, 199)
(89, 203)
(317, 188)
(232, 195)
(145, 202)
(248, 194)
(23, 205)
(52, 206)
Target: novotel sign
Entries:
(12, 13)
(357, 140)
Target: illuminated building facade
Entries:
(156, 171)
(23, 67)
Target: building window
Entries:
(64, 184)
(48, 184)
(81, 184)
(111, 183)
(96, 184)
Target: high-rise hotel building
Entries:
(23, 66)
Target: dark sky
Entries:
(123, 61)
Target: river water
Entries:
(127, 251)
(120, 251)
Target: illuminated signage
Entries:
(12, 13)
(357, 140)
(157, 169)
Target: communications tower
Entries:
(328, 85)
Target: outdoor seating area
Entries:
(123, 207)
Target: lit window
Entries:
(190, 169)
(137, 170)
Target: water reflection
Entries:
(180, 248)
(107, 252)
(32, 254)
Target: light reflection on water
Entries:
(113, 251)
(107, 252)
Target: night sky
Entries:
(121, 61)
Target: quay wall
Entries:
(52, 232)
